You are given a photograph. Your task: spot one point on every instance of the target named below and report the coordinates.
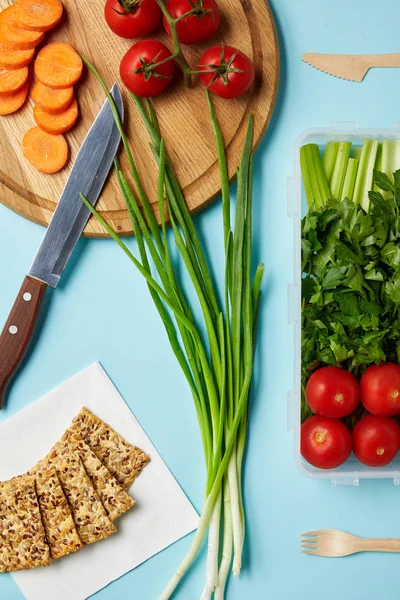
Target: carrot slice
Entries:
(10, 103)
(11, 81)
(51, 100)
(58, 65)
(14, 59)
(47, 153)
(56, 124)
(38, 15)
(13, 35)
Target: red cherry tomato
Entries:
(137, 68)
(380, 389)
(376, 440)
(332, 392)
(197, 27)
(228, 73)
(132, 18)
(325, 443)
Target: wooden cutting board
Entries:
(183, 115)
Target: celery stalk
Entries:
(350, 179)
(390, 160)
(365, 173)
(307, 171)
(339, 170)
(325, 190)
(315, 182)
(329, 159)
(357, 152)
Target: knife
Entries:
(88, 175)
(352, 67)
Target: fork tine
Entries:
(314, 552)
(310, 542)
(309, 547)
(310, 533)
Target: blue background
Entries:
(102, 311)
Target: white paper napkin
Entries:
(162, 514)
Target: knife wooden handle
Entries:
(385, 60)
(18, 330)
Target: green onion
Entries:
(215, 352)
(365, 173)
(350, 179)
(339, 170)
(226, 546)
(329, 159)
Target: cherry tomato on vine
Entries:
(132, 18)
(376, 440)
(139, 72)
(332, 392)
(197, 27)
(380, 389)
(227, 72)
(325, 443)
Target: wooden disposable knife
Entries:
(352, 67)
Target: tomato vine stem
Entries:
(177, 53)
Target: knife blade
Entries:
(88, 175)
(352, 67)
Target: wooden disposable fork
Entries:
(334, 543)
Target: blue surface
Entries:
(102, 311)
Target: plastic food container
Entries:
(352, 470)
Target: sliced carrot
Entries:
(11, 81)
(56, 124)
(10, 103)
(47, 153)
(15, 36)
(58, 65)
(38, 15)
(14, 59)
(51, 100)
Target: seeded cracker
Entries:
(124, 461)
(59, 526)
(22, 538)
(90, 518)
(114, 499)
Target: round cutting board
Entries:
(183, 115)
